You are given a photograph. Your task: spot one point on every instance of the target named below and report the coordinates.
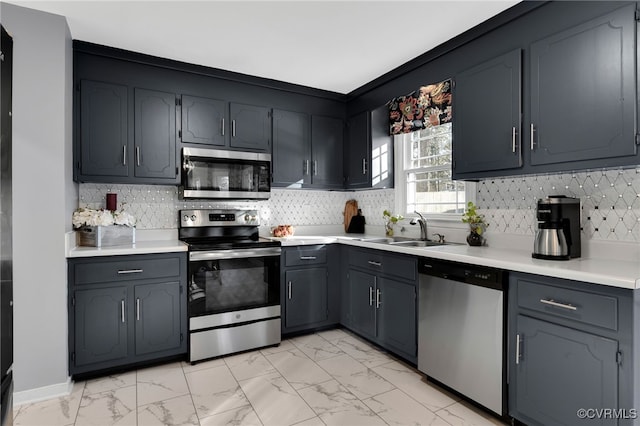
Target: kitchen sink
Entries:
(403, 242)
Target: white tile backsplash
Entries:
(610, 203)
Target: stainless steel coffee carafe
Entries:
(558, 233)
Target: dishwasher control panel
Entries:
(472, 274)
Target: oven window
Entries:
(227, 175)
(226, 285)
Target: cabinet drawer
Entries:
(588, 308)
(130, 269)
(404, 267)
(305, 255)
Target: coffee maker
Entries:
(558, 234)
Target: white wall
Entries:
(44, 196)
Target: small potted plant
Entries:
(477, 225)
(390, 220)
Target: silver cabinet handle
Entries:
(137, 309)
(370, 296)
(558, 305)
(513, 140)
(289, 290)
(124, 155)
(533, 129)
(364, 166)
(378, 294)
(233, 128)
(307, 258)
(371, 262)
(305, 167)
(130, 271)
(315, 167)
(122, 310)
(518, 354)
(138, 156)
(222, 127)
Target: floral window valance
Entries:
(426, 107)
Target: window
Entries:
(423, 174)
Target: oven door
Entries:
(233, 280)
(209, 173)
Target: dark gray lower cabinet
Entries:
(569, 349)
(127, 314)
(309, 293)
(382, 302)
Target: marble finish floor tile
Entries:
(215, 390)
(248, 365)
(298, 369)
(363, 382)
(328, 378)
(335, 405)
(172, 412)
(116, 407)
(275, 401)
(161, 383)
(316, 347)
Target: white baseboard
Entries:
(43, 393)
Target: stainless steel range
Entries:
(234, 283)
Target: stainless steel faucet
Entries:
(423, 226)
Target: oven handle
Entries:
(234, 254)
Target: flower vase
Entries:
(475, 237)
(388, 229)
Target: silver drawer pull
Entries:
(130, 271)
(308, 258)
(558, 305)
(371, 262)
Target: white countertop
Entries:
(151, 241)
(609, 272)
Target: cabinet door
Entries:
(362, 306)
(306, 298)
(100, 326)
(155, 135)
(291, 149)
(486, 128)
(203, 121)
(381, 149)
(157, 317)
(327, 134)
(250, 127)
(561, 370)
(582, 91)
(103, 145)
(358, 151)
(397, 315)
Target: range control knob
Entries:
(254, 218)
(247, 218)
(193, 217)
(185, 218)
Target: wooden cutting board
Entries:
(350, 210)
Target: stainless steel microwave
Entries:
(215, 174)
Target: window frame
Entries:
(400, 145)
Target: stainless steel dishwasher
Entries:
(461, 330)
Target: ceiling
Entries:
(331, 45)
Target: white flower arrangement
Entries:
(90, 217)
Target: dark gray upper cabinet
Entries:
(486, 131)
(155, 135)
(204, 121)
(327, 140)
(250, 127)
(291, 149)
(369, 150)
(583, 92)
(104, 146)
(358, 151)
